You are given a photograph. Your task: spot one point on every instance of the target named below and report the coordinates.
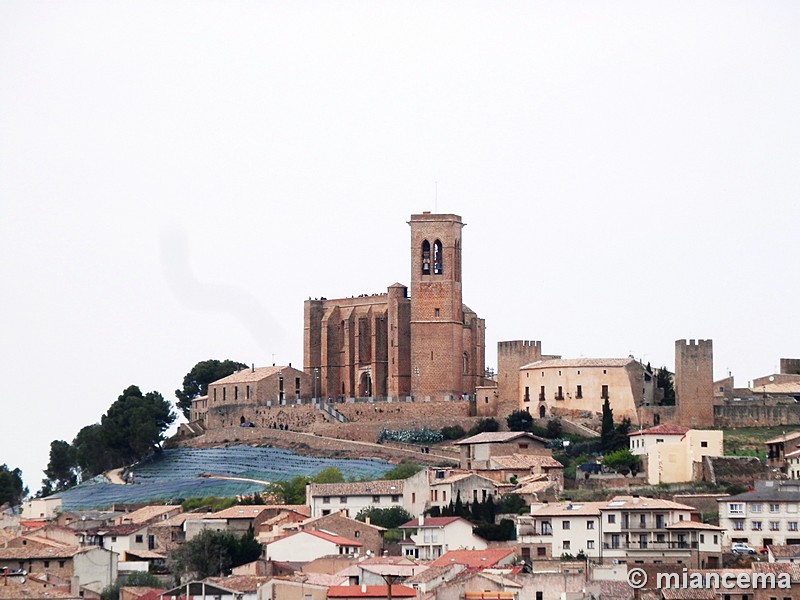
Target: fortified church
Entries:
(429, 346)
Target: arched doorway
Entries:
(365, 385)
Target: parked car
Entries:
(741, 548)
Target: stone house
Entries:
(673, 453)
(305, 546)
(478, 450)
(338, 523)
(91, 568)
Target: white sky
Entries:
(177, 177)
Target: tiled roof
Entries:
(122, 530)
(238, 583)
(429, 574)
(27, 553)
(693, 525)
(384, 487)
(562, 509)
(688, 593)
(793, 569)
(492, 437)
(431, 522)
(525, 461)
(473, 559)
(631, 503)
(788, 551)
(370, 591)
(146, 514)
(336, 539)
(567, 363)
(786, 437)
(664, 429)
(251, 375)
(32, 590)
(242, 511)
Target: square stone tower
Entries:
(694, 383)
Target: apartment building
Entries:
(768, 515)
(625, 529)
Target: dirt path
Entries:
(115, 476)
(213, 476)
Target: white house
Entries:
(671, 452)
(305, 546)
(427, 538)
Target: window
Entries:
(756, 508)
(774, 525)
(566, 545)
(579, 392)
(612, 518)
(343, 499)
(395, 498)
(47, 564)
(541, 393)
(702, 539)
(437, 312)
(736, 508)
(704, 444)
(527, 397)
(224, 394)
(604, 392)
(426, 257)
(376, 499)
(236, 392)
(756, 525)
(564, 524)
(590, 545)
(560, 393)
(296, 386)
(438, 258)
(716, 539)
(773, 508)
(540, 551)
(356, 534)
(539, 595)
(61, 563)
(247, 393)
(589, 524)
(139, 539)
(738, 525)
(792, 525)
(326, 499)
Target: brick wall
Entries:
(743, 415)
(694, 382)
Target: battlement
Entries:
(516, 345)
(694, 343)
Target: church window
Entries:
(466, 363)
(426, 257)
(437, 258)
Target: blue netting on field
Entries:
(175, 473)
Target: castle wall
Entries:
(790, 366)
(511, 356)
(694, 382)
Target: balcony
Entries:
(634, 546)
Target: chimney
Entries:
(253, 367)
(363, 588)
(290, 365)
(368, 521)
(420, 520)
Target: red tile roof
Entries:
(473, 559)
(336, 539)
(432, 522)
(369, 591)
(665, 429)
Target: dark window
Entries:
(236, 392)
(579, 392)
(376, 499)
(296, 386)
(224, 394)
(541, 393)
(604, 393)
(704, 444)
(527, 394)
(560, 393)
(426, 257)
(139, 539)
(438, 258)
(437, 312)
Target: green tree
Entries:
(664, 381)
(512, 504)
(195, 383)
(607, 431)
(12, 490)
(62, 470)
(488, 424)
(403, 470)
(554, 429)
(134, 425)
(390, 518)
(212, 553)
(328, 475)
(136, 578)
(91, 451)
(453, 432)
(289, 491)
(623, 461)
(519, 420)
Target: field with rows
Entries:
(176, 474)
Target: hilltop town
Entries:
(550, 478)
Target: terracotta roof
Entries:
(631, 503)
(147, 513)
(579, 362)
(370, 591)
(664, 429)
(492, 437)
(238, 583)
(242, 511)
(786, 437)
(325, 579)
(341, 514)
(688, 593)
(45, 553)
(121, 530)
(793, 569)
(429, 574)
(383, 487)
(252, 375)
(336, 539)
(788, 551)
(525, 461)
(693, 525)
(432, 522)
(473, 559)
(33, 590)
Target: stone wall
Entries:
(743, 415)
(694, 382)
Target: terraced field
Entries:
(176, 473)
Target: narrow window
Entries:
(466, 363)
(604, 393)
(436, 312)
(426, 257)
(541, 393)
(579, 392)
(527, 394)
(236, 392)
(247, 392)
(437, 258)
(215, 394)
(297, 386)
(560, 394)
(224, 394)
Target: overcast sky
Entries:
(177, 177)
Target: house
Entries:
(427, 538)
(91, 568)
(287, 588)
(673, 453)
(480, 585)
(784, 554)
(447, 486)
(769, 515)
(122, 538)
(477, 450)
(338, 523)
(46, 509)
(410, 494)
(625, 529)
(380, 569)
(305, 546)
(235, 587)
(575, 386)
(149, 514)
(779, 447)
